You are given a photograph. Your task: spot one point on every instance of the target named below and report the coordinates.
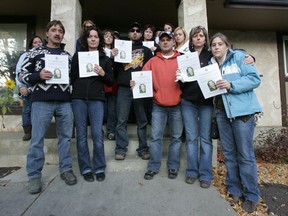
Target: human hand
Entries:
(23, 91)
(114, 52)
(248, 59)
(179, 76)
(132, 84)
(99, 70)
(223, 84)
(45, 74)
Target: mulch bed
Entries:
(273, 181)
(4, 171)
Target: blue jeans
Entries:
(198, 118)
(237, 146)
(160, 116)
(41, 115)
(26, 111)
(94, 109)
(124, 100)
(110, 112)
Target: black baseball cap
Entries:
(135, 24)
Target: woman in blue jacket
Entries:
(235, 118)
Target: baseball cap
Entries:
(165, 33)
(135, 24)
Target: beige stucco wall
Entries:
(69, 12)
(263, 46)
(192, 13)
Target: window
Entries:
(12, 45)
(14, 31)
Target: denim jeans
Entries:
(94, 109)
(160, 116)
(26, 111)
(237, 146)
(124, 100)
(197, 124)
(110, 112)
(41, 115)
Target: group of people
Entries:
(175, 102)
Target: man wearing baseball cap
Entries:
(140, 55)
(166, 107)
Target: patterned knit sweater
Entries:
(30, 74)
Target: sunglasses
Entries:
(134, 30)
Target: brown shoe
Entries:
(27, 133)
(204, 184)
(190, 179)
(69, 177)
(120, 156)
(144, 155)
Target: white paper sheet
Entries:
(148, 44)
(143, 84)
(107, 52)
(58, 65)
(124, 51)
(187, 64)
(87, 60)
(185, 48)
(206, 78)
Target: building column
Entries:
(69, 12)
(192, 13)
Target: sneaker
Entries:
(190, 179)
(234, 199)
(88, 177)
(100, 176)
(144, 155)
(120, 156)
(204, 184)
(34, 186)
(149, 175)
(172, 173)
(249, 206)
(111, 136)
(69, 177)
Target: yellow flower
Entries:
(10, 84)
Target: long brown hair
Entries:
(84, 43)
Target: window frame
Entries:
(30, 32)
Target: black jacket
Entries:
(191, 90)
(91, 88)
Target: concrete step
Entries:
(13, 151)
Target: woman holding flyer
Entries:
(197, 115)
(88, 98)
(235, 118)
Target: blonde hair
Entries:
(184, 33)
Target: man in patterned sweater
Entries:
(48, 100)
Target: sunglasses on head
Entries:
(135, 30)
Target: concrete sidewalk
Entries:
(121, 194)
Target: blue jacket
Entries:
(240, 100)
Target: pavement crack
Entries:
(38, 196)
